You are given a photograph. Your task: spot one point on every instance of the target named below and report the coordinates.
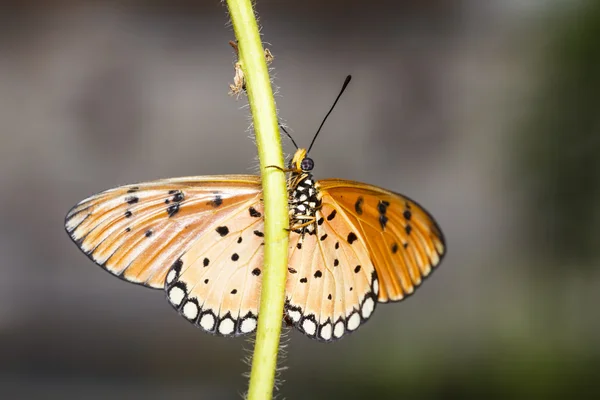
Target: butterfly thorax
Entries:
(304, 202)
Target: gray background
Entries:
(445, 106)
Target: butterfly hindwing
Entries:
(332, 284)
(402, 239)
(216, 283)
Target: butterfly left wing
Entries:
(137, 232)
(403, 240)
(199, 238)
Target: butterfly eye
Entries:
(307, 164)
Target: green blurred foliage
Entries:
(561, 142)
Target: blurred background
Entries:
(487, 113)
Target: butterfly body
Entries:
(351, 246)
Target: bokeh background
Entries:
(486, 112)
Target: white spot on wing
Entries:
(353, 321)
(376, 287)
(171, 276)
(176, 295)
(294, 315)
(248, 325)
(226, 326)
(326, 331)
(309, 327)
(190, 310)
(207, 321)
(368, 307)
(338, 331)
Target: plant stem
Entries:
(268, 140)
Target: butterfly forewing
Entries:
(403, 240)
(138, 232)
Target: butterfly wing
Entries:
(403, 240)
(158, 234)
(370, 245)
(216, 284)
(332, 284)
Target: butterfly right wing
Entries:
(159, 234)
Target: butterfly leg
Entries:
(303, 221)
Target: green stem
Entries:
(268, 140)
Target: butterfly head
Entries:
(301, 163)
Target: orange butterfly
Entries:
(200, 239)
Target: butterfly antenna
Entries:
(290, 136)
(346, 82)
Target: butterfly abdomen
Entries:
(304, 203)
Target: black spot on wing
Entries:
(383, 221)
(382, 206)
(352, 237)
(332, 215)
(173, 209)
(254, 213)
(132, 199)
(177, 265)
(222, 230)
(217, 201)
(358, 206)
(259, 233)
(178, 197)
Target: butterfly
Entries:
(200, 239)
